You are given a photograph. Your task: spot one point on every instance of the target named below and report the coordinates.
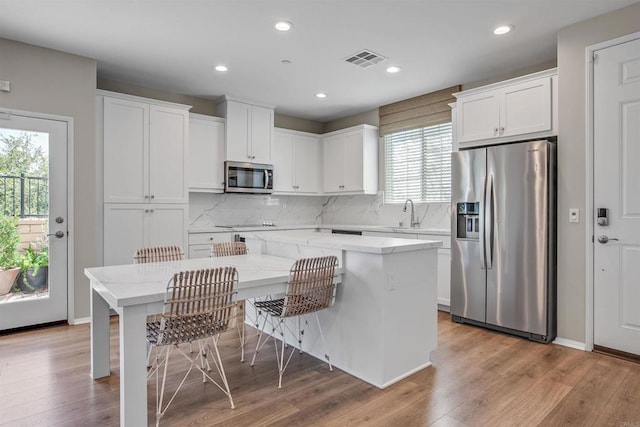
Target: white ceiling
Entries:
(174, 44)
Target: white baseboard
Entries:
(79, 321)
(570, 343)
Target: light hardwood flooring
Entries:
(478, 378)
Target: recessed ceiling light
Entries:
(503, 29)
(394, 69)
(283, 26)
(321, 95)
(221, 68)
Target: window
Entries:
(418, 165)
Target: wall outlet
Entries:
(574, 215)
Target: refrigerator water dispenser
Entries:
(468, 220)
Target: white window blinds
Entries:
(418, 165)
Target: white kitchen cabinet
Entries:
(520, 108)
(205, 168)
(350, 161)
(128, 227)
(444, 260)
(145, 149)
(248, 130)
(200, 243)
(296, 162)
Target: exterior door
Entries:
(38, 199)
(616, 157)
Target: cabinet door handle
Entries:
(495, 130)
(502, 129)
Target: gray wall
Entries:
(572, 151)
(52, 82)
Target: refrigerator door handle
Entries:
(483, 225)
(488, 223)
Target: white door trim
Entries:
(589, 231)
(70, 199)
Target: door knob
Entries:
(59, 234)
(604, 239)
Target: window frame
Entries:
(430, 154)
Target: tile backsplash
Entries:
(370, 210)
(207, 210)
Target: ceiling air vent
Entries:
(365, 58)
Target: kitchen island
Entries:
(383, 325)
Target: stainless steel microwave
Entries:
(240, 177)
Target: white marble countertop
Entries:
(350, 227)
(123, 285)
(346, 242)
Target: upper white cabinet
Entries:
(249, 130)
(350, 160)
(145, 149)
(520, 108)
(296, 160)
(205, 168)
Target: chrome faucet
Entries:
(414, 221)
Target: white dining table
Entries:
(135, 291)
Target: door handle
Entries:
(604, 239)
(483, 225)
(488, 223)
(59, 234)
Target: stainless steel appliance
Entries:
(240, 177)
(503, 267)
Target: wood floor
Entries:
(478, 378)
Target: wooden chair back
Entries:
(311, 286)
(158, 254)
(228, 249)
(198, 304)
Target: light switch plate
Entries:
(574, 215)
(5, 85)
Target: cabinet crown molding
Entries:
(503, 83)
(350, 129)
(224, 98)
(101, 92)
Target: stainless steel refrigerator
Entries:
(503, 266)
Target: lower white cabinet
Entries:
(200, 243)
(128, 227)
(444, 260)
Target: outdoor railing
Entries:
(24, 196)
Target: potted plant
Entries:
(34, 266)
(9, 240)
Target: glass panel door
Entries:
(33, 221)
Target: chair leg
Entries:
(259, 345)
(241, 331)
(280, 358)
(218, 362)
